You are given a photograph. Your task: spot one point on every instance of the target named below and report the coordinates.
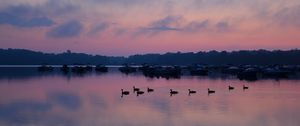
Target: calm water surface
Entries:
(29, 98)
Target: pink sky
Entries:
(125, 27)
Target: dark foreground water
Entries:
(30, 98)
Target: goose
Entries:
(150, 90)
(191, 92)
(139, 93)
(135, 89)
(210, 91)
(230, 87)
(124, 92)
(245, 87)
(173, 92)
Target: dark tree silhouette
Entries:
(253, 57)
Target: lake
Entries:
(31, 98)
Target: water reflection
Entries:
(93, 99)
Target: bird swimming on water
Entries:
(172, 92)
(135, 89)
(210, 91)
(191, 92)
(150, 90)
(124, 92)
(139, 93)
(230, 87)
(245, 87)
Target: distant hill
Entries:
(259, 57)
(28, 57)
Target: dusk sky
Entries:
(125, 27)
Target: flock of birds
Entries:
(138, 91)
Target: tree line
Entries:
(253, 57)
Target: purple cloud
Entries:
(169, 23)
(196, 26)
(23, 16)
(222, 26)
(66, 30)
(99, 28)
(288, 16)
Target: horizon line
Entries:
(205, 51)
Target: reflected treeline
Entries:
(44, 71)
(242, 72)
(23, 73)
